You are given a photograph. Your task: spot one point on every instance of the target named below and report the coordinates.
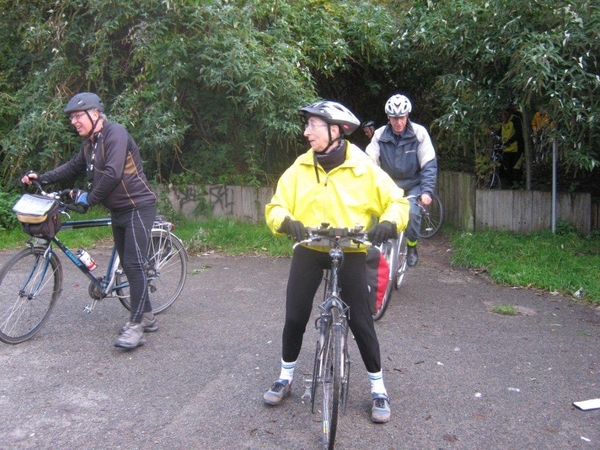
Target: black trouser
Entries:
(511, 174)
(306, 273)
(131, 233)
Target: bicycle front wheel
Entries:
(432, 217)
(30, 284)
(331, 379)
(402, 264)
(166, 271)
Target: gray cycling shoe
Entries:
(412, 257)
(131, 336)
(148, 322)
(279, 390)
(380, 411)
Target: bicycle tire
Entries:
(29, 288)
(495, 181)
(432, 217)
(331, 379)
(402, 261)
(315, 377)
(166, 271)
(389, 251)
(345, 367)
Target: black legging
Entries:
(306, 273)
(131, 233)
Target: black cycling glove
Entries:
(293, 228)
(382, 232)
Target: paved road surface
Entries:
(459, 375)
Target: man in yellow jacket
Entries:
(333, 182)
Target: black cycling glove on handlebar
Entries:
(293, 228)
(381, 232)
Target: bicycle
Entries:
(491, 178)
(331, 368)
(395, 250)
(31, 281)
(432, 217)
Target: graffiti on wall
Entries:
(221, 200)
(241, 202)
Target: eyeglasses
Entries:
(313, 126)
(76, 117)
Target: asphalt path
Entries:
(459, 375)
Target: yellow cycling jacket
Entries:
(350, 194)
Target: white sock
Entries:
(377, 386)
(287, 370)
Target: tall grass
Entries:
(564, 262)
(231, 237)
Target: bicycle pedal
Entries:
(306, 395)
(89, 308)
(307, 379)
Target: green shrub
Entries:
(8, 219)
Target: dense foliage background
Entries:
(210, 88)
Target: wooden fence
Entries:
(466, 207)
(470, 209)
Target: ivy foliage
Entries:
(538, 54)
(210, 88)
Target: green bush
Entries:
(8, 219)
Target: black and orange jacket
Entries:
(112, 161)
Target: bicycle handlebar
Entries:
(62, 197)
(336, 236)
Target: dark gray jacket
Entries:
(409, 159)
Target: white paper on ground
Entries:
(586, 405)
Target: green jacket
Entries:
(350, 194)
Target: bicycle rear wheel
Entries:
(166, 271)
(30, 284)
(331, 379)
(389, 251)
(432, 217)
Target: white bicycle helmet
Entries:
(398, 106)
(333, 113)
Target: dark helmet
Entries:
(333, 113)
(368, 124)
(84, 101)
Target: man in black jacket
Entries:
(111, 161)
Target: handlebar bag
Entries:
(39, 215)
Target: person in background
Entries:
(368, 127)
(405, 151)
(111, 160)
(336, 183)
(513, 143)
(541, 126)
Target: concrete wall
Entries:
(466, 207)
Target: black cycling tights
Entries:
(306, 273)
(131, 232)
